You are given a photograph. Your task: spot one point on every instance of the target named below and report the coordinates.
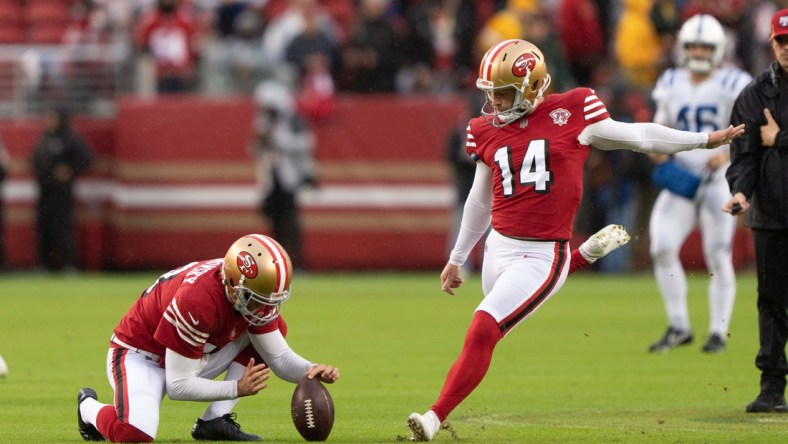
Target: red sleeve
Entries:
(187, 322)
(593, 109)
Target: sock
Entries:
(470, 367)
(220, 408)
(115, 431)
(672, 284)
(578, 261)
(89, 410)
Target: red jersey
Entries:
(537, 164)
(187, 311)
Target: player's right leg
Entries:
(672, 220)
(515, 285)
(139, 388)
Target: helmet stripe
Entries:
(279, 260)
(487, 65)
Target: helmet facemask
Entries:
(257, 309)
(520, 105)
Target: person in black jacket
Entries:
(60, 155)
(758, 180)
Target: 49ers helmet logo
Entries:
(246, 264)
(524, 64)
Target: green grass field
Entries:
(577, 371)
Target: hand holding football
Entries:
(312, 410)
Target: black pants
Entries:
(56, 231)
(282, 209)
(771, 258)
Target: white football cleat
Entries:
(601, 243)
(423, 427)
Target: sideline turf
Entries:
(577, 371)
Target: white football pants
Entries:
(672, 220)
(143, 384)
(519, 276)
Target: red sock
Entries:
(115, 431)
(472, 364)
(577, 261)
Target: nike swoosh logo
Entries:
(194, 321)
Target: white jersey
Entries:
(702, 107)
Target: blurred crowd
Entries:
(320, 48)
(405, 46)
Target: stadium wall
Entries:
(173, 181)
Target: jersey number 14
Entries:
(535, 169)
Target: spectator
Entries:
(583, 38)
(315, 55)
(283, 145)
(59, 157)
(758, 180)
(505, 24)
(638, 47)
(666, 19)
(538, 29)
(371, 57)
(286, 26)
(169, 36)
(438, 45)
(313, 39)
(233, 62)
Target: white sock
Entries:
(432, 417)
(89, 410)
(722, 293)
(220, 408)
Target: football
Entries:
(312, 410)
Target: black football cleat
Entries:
(715, 344)
(88, 431)
(223, 428)
(768, 403)
(672, 339)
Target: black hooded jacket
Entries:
(56, 148)
(757, 171)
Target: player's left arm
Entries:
(286, 363)
(609, 134)
(185, 384)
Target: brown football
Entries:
(312, 410)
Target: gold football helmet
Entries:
(514, 64)
(256, 274)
